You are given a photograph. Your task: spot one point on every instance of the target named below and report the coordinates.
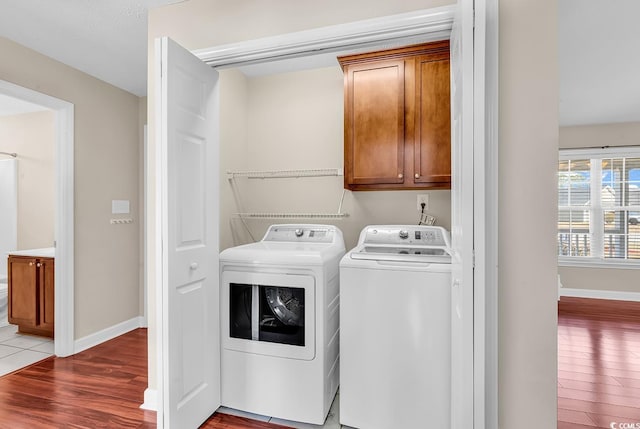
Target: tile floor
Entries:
(332, 422)
(19, 350)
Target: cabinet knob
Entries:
(417, 176)
(193, 266)
(400, 176)
(38, 265)
(31, 264)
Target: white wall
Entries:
(32, 137)
(615, 135)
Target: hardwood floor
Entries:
(225, 421)
(102, 387)
(598, 363)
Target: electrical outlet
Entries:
(423, 198)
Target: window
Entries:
(599, 205)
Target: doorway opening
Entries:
(63, 209)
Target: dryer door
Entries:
(269, 314)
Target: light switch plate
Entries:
(120, 206)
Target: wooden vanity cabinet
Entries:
(397, 118)
(31, 294)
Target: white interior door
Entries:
(189, 146)
(462, 209)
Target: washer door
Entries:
(269, 314)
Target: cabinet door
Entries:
(46, 274)
(374, 123)
(432, 141)
(22, 291)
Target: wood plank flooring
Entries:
(100, 387)
(103, 387)
(598, 363)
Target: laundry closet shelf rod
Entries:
(292, 215)
(13, 154)
(270, 174)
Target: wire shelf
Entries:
(292, 215)
(271, 174)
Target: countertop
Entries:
(45, 252)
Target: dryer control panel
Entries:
(301, 233)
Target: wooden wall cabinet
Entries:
(397, 118)
(31, 294)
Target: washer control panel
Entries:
(406, 235)
(300, 233)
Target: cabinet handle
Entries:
(400, 176)
(417, 176)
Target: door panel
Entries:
(374, 150)
(22, 291)
(433, 128)
(47, 293)
(188, 172)
(190, 195)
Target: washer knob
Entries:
(404, 234)
(299, 232)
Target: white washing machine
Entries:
(280, 322)
(395, 329)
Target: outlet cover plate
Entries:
(423, 198)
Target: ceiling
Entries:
(597, 47)
(104, 38)
(599, 61)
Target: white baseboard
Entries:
(107, 334)
(150, 400)
(600, 294)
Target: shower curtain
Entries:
(8, 211)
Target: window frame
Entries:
(598, 234)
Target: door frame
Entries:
(64, 214)
(485, 212)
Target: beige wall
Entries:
(615, 135)
(581, 136)
(142, 122)
(32, 137)
(528, 148)
(106, 167)
(606, 279)
(528, 157)
(294, 120)
(233, 154)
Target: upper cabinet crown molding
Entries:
(432, 49)
(423, 25)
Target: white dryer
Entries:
(280, 323)
(395, 329)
